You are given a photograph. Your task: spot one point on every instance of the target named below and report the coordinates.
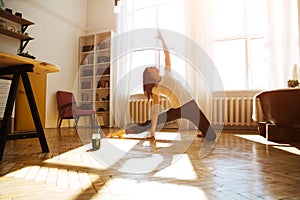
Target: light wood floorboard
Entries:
(242, 166)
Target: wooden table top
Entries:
(7, 60)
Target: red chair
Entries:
(67, 109)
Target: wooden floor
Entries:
(241, 166)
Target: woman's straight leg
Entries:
(164, 117)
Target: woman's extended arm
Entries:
(166, 52)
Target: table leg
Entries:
(34, 112)
(8, 112)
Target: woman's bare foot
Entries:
(199, 134)
(150, 137)
(119, 134)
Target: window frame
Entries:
(247, 37)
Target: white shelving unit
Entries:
(95, 75)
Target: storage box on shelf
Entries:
(94, 75)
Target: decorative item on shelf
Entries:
(85, 97)
(8, 10)
(88, 60)
(103, 59)
(294, 82)
(101, 110)
(103, 45)
(18, 14)
(25, 54)
(88, 72)
(86, 85)
(87, 48)
(12, 28)
(103, 84)
(295, 72)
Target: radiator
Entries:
(226, 111)
(140, 109)
(233, 111)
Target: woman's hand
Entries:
(159, 35)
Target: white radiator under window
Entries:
(140, 109)
(234, 109)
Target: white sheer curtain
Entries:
(127, 73)
(282, 41)
(198, 27)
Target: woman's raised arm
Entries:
(166, 52)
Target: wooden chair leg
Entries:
(95, 121)
(76, 119)
(59, 122)
(92, 121)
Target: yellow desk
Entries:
(16, 67)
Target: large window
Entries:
(167, 14)
(156, 14)
(250, 41)
(239, 43)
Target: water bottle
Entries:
(96, 140)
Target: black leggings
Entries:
(189, 111)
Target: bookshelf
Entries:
(95, 75)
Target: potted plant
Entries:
(293, 83)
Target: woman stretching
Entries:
(182, 103)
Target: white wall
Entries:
(100, 16)
(58, 26)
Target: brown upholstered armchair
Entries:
(67, 109)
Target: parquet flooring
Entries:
(241, 166)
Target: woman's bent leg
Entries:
(193, 113)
